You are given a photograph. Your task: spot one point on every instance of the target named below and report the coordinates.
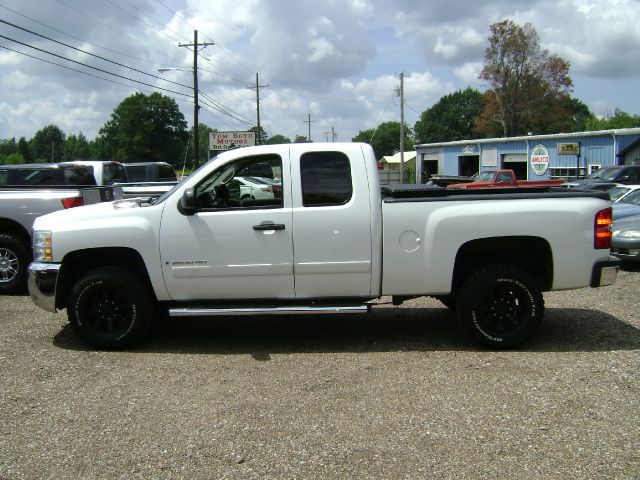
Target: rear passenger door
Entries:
(331, 223)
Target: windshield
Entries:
(633, 198)
(616, 192)
(485, 177)
(607, 173)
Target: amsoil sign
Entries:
(540, 159)
(228, 140)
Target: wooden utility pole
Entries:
(309, 121)
(196, 107)
(402, 127)
(257, 86)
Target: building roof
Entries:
(617, 132)
(408, 156)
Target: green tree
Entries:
(47, 145)
(8, 146)
(526, 83)
(12, 159)
(385, 139)
(451, 118)
(261, 136)
(77, 148)
(203, 137)
(276, 139)
(144, 128)
(619, 119)
(301, 139)
(23, 149)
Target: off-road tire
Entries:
(500, 307)
(110, 308)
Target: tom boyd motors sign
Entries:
(229, 140)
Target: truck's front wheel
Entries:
(500, 306)
(110, 308)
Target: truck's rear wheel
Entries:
(110, 308)
(500, 306)
(14, 258)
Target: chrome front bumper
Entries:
(42, 284)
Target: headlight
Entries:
(629, 234)
(42, 246)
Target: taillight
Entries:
(602, 229)
(72, 202)
(277, 188)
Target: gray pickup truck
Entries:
(155, 183)
(29, 191)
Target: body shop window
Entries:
(326, 179)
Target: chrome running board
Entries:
(301, 310)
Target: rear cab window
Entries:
(325, 179)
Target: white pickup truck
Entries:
(329, 242)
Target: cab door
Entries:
(231, 247)
(332, 222)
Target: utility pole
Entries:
(196, 107)
(402, 127)
(326, 134)
(257, 86)
(309, 121)
(334, 135)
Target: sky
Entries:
(338, 62)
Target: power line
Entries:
(92, 54)
(220, 105)
(81, 39)
(103, 24)
(79, 71)
(149, 16)
(143, 21)
(94, 68)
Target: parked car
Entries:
(625, 241)
(251, 188)
(626, 174)
(106, 172)
(619, 192)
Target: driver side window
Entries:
(246, 183)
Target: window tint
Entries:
(136, 173)
(326, 179)
(36, 177)
(504, 177)
(114, 173)
(166, 172)
(3, 178)
(79, 176)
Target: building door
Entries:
(468, 165)
(516, 162)
(429, 167)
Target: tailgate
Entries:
(101, 194)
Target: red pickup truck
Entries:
(503, 179)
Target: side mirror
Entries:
(187, 204)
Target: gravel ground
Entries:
(400, 393)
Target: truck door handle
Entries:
(269, 226)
